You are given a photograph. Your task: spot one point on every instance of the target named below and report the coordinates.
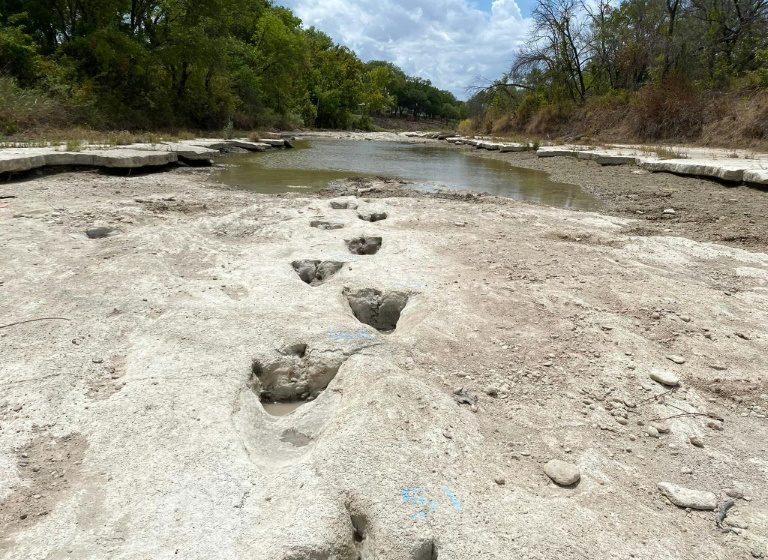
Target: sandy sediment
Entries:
(661, 203)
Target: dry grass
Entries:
(24, 109)
(739, 119)
(672, 114)
(80, 137)
(665, 152)
(667, 111)
(256, 135)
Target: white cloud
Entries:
(450, 42)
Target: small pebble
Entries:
(662, 428)
(679, 360)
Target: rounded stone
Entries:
(666, 378)
(562, 473)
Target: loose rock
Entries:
(666, 378)
(662, 428)
(99, 232)
(687, 498)
(562, 473)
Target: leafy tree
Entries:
(161, 63)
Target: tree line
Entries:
(659, 56)
(153, 64)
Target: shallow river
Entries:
(316, 162)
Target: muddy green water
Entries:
(314, 163)
(281, 408)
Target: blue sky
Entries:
(454, 43)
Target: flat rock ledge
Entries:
(750, 171)
(687, 498)
(479, 143)
(133, 156)
(709, 164)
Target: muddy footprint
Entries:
(364, 245)
(328, 226)
(372, 215)
(375, 308)
(344, 204)
(296, 376)
(364, 543)
(316, 272)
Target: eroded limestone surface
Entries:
(134, 404)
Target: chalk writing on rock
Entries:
(423, 504)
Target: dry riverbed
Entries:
(661, 203)
(626, 346)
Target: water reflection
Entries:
(317, 162)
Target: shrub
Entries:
(74, 145)
(757, 125)
(503, 124)
(466, 127)
(24, 109)
(670, 109)
(759, 78)
(229, 130)
(363, 123)
(549, 118)
(528, 107)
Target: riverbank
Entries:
(657, 203)
(131, 424)
(704, 209)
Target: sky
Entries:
(454, 43)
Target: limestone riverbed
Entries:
(465, 377)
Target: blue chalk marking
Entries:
(425, 505)
(418, 498)
(455, 502)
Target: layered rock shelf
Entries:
(133, 156)
(722, 165)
